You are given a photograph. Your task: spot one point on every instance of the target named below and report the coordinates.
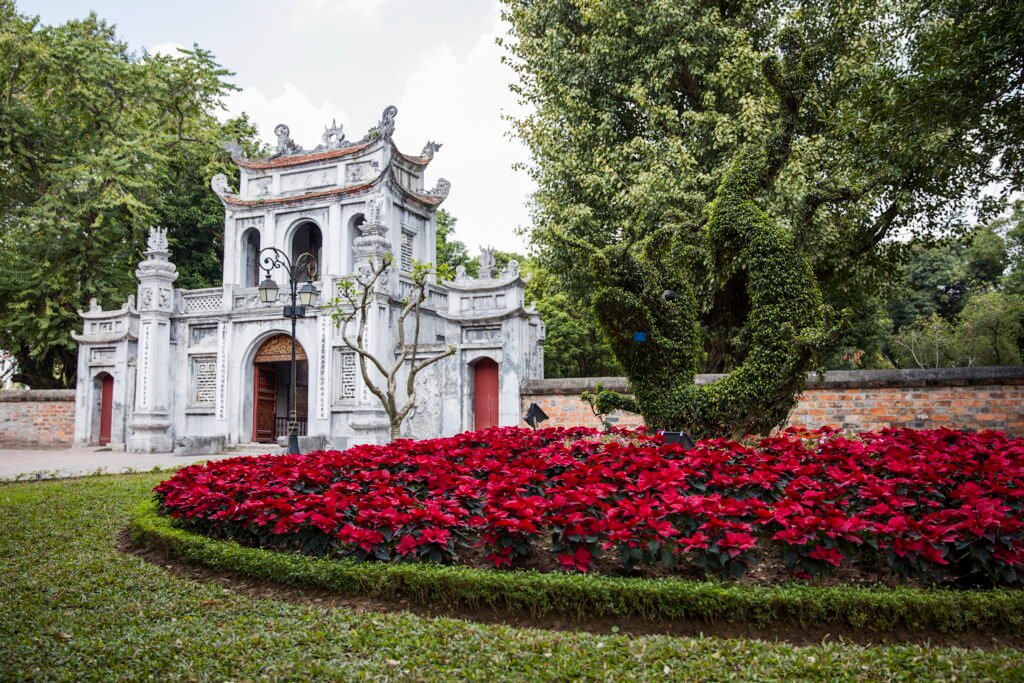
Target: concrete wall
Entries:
(37, 419)
(962, 398)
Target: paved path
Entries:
(24, 464)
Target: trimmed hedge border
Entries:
(582, 596)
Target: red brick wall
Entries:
(962, 398)
(37, 419)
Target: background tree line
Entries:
(98, 143)
(915, 108)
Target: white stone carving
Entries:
(157, 241)
(304, 180)
(486, 262)
(441, 189)
(430, 149)
(204, 380)
(333, 137)
(285, 145)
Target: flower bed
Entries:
(931, 505)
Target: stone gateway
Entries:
(198, 370)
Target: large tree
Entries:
(908, 108)
(97, 144)
(639, 107)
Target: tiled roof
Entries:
(299, 159)
(336, 192)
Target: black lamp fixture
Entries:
(534, 415)
(268, 290)
(301, 297)
(680, 438)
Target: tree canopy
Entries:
(97, 144)
(911, 108)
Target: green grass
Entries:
(74, 608)
(876, 609)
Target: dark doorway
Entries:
(485, 394)
(106, 408)
(272, 387)
(307, 238)
(264, 403)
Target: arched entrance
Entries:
(307, 239)
(104, 388)
(485, 394)
(271, 387)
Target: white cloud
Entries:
(169, 49)
(292, 106)
(455, 99)
(459, 101)
(362, 10)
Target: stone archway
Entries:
(271, 387)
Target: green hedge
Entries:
(878, 609)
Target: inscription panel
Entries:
(309, 179)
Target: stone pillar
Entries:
(368, 420)
(151, 419)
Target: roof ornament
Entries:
(441, 189)
(285, 145)
(157, 241)
(386, 127)
(234, 149)
(219, 185)
(430, 149)
(486, 263)
(333, 137)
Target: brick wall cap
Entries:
(834, 379)
(37, 395)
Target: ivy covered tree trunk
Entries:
(646, 302)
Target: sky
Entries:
(307, 62)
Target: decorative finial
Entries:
(219, 185)
(441, 189)
(334, 136)
(430, 149)
(285, 145)
(386, 127)
(157, 241)
(486, 261)
(234, 149)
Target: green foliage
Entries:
(582, 596)
(575, 345)
(646, 292)
(452, 252)
(928, 342)
(76, 607)
(954, 302)
(990, 330)
(1013, 228)
(637, 109)
(97, 145)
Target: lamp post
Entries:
(301, 297)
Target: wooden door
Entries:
(485, 393)
(106, 408)
(264, 410)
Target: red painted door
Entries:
(264, 408)
(106, 408)
(485, 393)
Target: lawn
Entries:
(75, 608)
